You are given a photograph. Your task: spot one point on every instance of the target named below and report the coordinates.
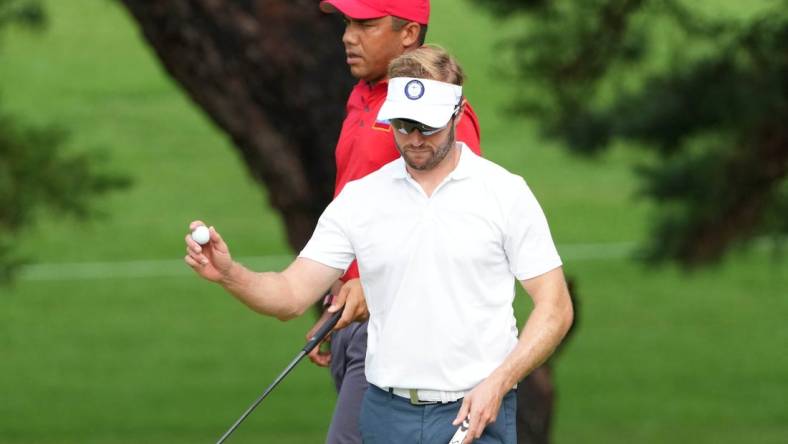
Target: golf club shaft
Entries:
(319, 335)
(260, 399)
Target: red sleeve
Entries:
(468, 129)
(351, 273)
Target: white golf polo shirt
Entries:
(438, 272)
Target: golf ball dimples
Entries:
(201, 235)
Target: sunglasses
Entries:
(406, 126)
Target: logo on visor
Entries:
(414, 90)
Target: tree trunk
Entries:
(271, 74)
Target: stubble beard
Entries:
(437, 155)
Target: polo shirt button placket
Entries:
(418, 188)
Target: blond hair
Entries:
(427, 62)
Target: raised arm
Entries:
(284, 295)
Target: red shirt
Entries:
(365, 144)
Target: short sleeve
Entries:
(330, 243)
(527, 242)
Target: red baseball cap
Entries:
(414, 10)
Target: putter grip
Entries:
(323, 331)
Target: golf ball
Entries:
(201, 235)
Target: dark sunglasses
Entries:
(406, 126)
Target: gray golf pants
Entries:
(389, 419)
(348, 351)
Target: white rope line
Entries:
(131, 269)
(177, 267)
(596, 251)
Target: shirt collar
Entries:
(380, 86)
(399, 171)
(465, 165)
(463, 169)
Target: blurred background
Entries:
(653, 133)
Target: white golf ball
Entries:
(201, 235)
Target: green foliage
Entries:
(25, 12)
(35, 171)
(35, 174)
(707, 97)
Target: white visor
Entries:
(426, 101)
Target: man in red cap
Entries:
(376, 32)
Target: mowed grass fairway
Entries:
(118, 349)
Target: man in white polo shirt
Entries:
(440, 236)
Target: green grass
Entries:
(166, 360)
(660, 355)
(664, 357)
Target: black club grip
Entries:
(323, 331)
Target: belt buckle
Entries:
(414, 398)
